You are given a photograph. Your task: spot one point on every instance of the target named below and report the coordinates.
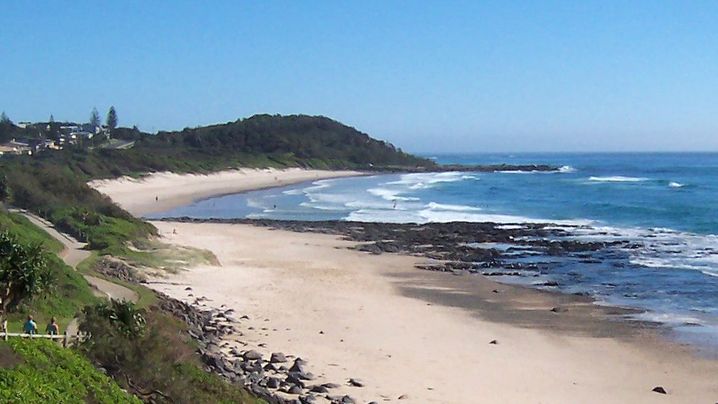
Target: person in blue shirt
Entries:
(30, 327)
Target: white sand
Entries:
(344, 312)
(294, 286)
(137, 196)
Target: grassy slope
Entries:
(70, 293)
(40, 371)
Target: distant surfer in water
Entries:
(394, 204)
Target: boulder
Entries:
(309, 399)
(294, 379)
(278, 357)
(356, 382)
(319, 389)
(270, 367)
(299, 366)
(252, 355)
(272, 382)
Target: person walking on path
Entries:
(30, 326)
(52, 327)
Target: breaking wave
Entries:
(617, 178)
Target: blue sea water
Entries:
(666, 203)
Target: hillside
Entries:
(300, 138)
(37, 371)
(258, 141)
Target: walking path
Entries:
(74, 253)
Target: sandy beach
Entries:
(420, 335)
(158, 192)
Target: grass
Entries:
(70, 292)
(28, 232)
(38, 371)
(166, 257)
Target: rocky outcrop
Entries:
(263, 377)
(457, 247)
(118, 269)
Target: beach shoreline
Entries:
(162, 191)
(423, 334)
(420, 334)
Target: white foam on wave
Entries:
(456, 208)
(426, 180)
(617, 178)
(297, 191)
(674, 184)
(670, 319)
(390, 194)
(384, 216)
(562, 169)
(444, 213)
(661, 248)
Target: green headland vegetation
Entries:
(53, 184)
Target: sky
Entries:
(429, 76)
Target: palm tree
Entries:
(23, 271)
(124, 317)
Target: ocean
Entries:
(665, 203)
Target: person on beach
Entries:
(30, 327)
(52, 327)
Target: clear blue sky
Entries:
(427, 76)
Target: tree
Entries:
(24, 272)
(4, 118)
(95, 118)
(112, 118)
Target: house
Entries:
(16, 147)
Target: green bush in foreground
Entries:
(159, 364)
(24, 272)
(40, 371)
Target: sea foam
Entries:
(617, 178)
